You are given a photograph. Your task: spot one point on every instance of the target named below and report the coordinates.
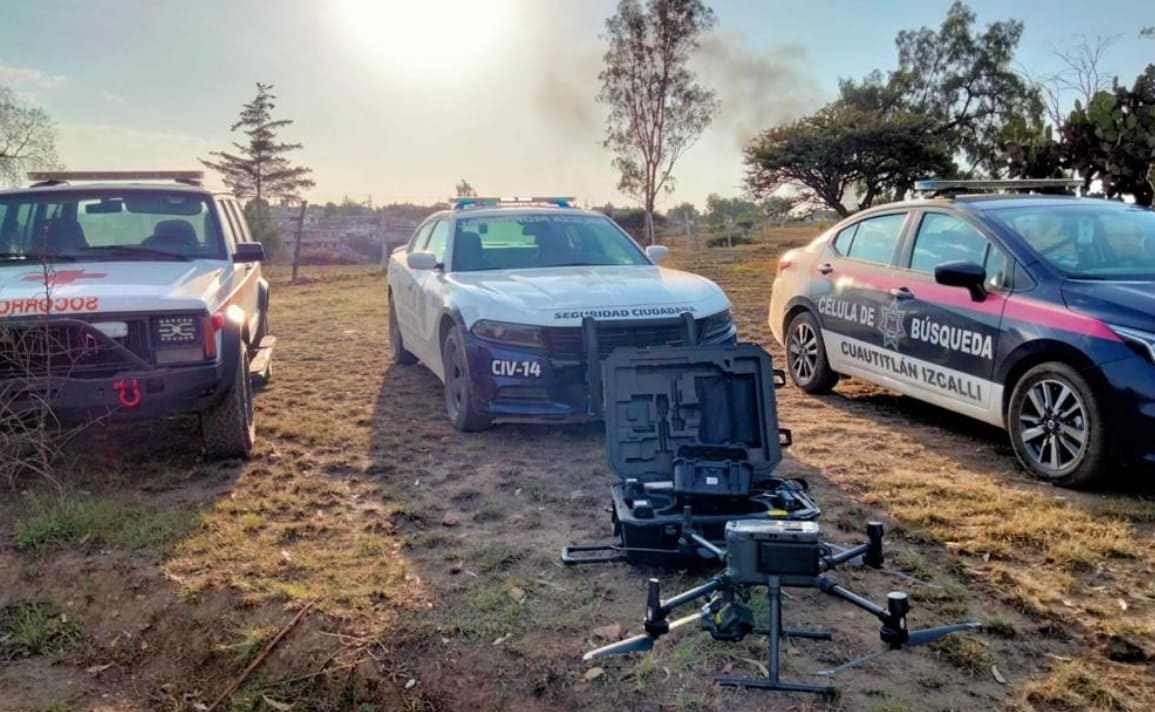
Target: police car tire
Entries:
(229, 428)
(396, 347)
(823, 379)
(464, 416)
(1091, 464)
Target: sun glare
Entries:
(424, 37)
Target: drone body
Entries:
(776, 554)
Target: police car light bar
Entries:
(65, 176)
(958, 186)
(462, 203)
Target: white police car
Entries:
(127, 296)
(509, 301)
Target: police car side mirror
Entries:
(969, 275)
(657, 253)
(249, 252)
(421, 260)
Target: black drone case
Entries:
(692, 431)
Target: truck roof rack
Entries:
(951, 188)
(47, 178)
(557, 202)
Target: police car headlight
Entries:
(717, 324)
(505, 333)
(1140, 341)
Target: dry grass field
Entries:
(428, 560)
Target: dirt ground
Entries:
(429, 560)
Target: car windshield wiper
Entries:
(136, 252)
(34, 257)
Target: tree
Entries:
(843, 148)
(960, 79)
(656, 108)
(27, 138)
(1112, 139)
(682, 213)
(465, 190)
(261, 172)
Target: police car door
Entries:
(429, 294)
(850, 292)
(403, 285)
(951, 337)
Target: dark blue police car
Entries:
(1032, 312)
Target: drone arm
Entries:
(871, 551)
(708, 546)
(715, 584)
(833, 588)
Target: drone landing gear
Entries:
(775, 633)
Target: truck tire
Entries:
(1056, 426)
(397, 347)
(806, 355)
(229, 428)
(460, 403)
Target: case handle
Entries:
(568, 554)
(785, 437)
(779, 378)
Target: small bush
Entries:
(30, 628)
(728, 241)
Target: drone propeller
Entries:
(915, 637)
(637, 644)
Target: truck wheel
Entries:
(460, 404)
(229, 428)
(806, 355)
(396, 347)
(1056, 426)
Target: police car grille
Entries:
(569, 342)
(32, 350)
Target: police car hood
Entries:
(562, 296)
(98, 286)
(1129, 304)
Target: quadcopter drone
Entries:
(776, 554)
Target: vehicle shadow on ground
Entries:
(979, 446)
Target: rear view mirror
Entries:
(249, 252)
(657, 253)
(969, 275)
(421, 260)
(105, 206)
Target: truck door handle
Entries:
(902, 293)
(826, 268)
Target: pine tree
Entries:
(260, 172)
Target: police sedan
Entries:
(513, 304)
(1035, 313)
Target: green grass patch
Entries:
(96, 522)
(29, 628)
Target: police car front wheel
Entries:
(1056, 425)
(460, 402)
(806, 355)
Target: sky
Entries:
(398, 100)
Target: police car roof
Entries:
(491, 212)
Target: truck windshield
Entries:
(108, 225)
(533, 240)
(1087, 240)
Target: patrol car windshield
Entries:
(526, 241)
(1088, 241)
(108, 225)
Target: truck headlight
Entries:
(505, 333)
(178, 339)
(717, 324)
(1141, 341)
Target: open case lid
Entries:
(710, 403)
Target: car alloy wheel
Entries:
(803, 351)
(458, 384)
(1053, 426)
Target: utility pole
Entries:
(300, 234)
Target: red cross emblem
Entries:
(62, 276)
